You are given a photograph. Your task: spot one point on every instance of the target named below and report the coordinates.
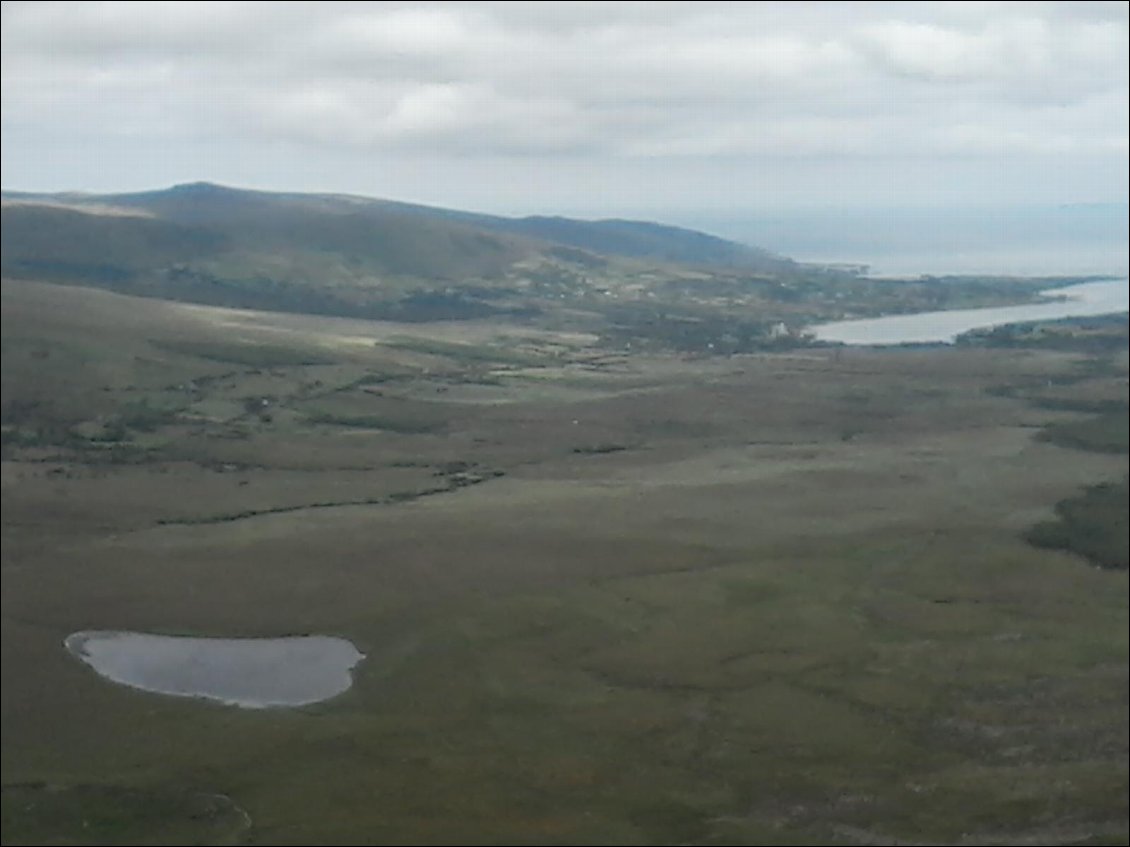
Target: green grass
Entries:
(1095, 335)
(1093, 524)
(745, 631)
(1104, 433)
(36, 813)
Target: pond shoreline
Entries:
(251, 673)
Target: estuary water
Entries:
(1086, 299)
(253, 673)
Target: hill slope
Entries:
(337, 254)
(640, 239)
(208, 203)
(405, 238)
(205, 222)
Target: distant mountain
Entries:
(215, 223)
(341, 221)
(328, 253)
(643, 240)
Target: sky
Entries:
(579, 108)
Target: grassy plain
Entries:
(649, 599)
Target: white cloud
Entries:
(611, 82)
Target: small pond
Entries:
(253, 673)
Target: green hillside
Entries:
(335, 254)
(382, 237)
(645, 240)
(629, 282)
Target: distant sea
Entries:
(1080, 239)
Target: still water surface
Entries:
(1086, 299)
(254, 673)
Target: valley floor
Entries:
(761, 599)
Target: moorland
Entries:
(628, 565)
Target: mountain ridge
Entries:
(199, 202)
(345, 255)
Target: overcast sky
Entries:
(575, 107)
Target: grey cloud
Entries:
(618, 81)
